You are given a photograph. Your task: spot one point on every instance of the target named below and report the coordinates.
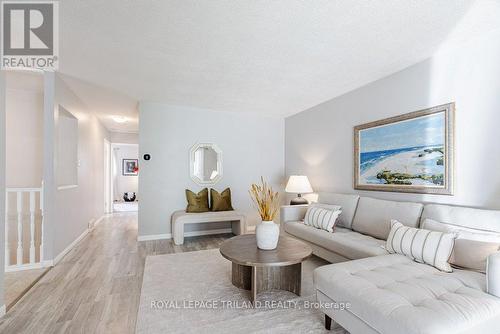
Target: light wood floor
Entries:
(16, 284)
(96, 287)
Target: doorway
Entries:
(124, 177)
(108, 200)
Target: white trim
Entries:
(94, 222)
(2, 310)
(119, 165)
(71, 186)
(98, 220)
(186, 234)
(70, 246)
(108, 176)
(154, 237)
(25, 266)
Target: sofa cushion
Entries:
(347, 202)
(373, 216)
(394, 294)
(472, 247)
(347, 243)
(478, 219)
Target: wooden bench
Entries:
(181, 218)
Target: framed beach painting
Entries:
(409, 153)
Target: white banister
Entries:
(34, 225)
(19, 228)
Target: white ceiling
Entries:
(107, 103)
(266, 57)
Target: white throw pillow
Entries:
(424, 246)
(322, 216)
(472, 247)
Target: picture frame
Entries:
(130, 167)
(410, 153)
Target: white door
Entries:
(107, 177)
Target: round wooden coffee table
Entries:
(258, 270)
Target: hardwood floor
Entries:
(17, 283)
(96, 287)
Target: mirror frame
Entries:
(219, 163)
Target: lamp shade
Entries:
(298, 184)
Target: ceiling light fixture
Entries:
(119, 119)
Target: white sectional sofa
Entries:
(390, 293)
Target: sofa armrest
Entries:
(493, 274)
(292, 213)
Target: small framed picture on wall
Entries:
(130, 167)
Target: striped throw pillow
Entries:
(322, 217)
(424, 246)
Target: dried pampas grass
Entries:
(265, 199)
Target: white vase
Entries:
(267, 234)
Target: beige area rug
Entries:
(192, 293)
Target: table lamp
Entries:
(298, 184)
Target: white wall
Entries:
(251, 146)
(24, 145)
(24, 100)
(2, 185)
(319, 141)
(69, 211)
(122, 183)
(124, 137)
(67, 148)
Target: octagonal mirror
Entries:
(205, 163)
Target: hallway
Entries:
(96, 286)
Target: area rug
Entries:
(192, 293)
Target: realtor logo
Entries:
(30, 34)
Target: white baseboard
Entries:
(186, 234)
(154, 237)
(93, 222)
(70, 246)
(98, 220)
(2, 310)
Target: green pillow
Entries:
(197, 202)
(221, 201)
